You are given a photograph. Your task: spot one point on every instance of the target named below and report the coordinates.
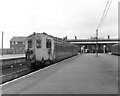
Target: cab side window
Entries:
(48, 43)
(38, 43)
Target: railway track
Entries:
(14, 71)
(8, 77)
(16, 74)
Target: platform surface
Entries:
(82, 74)
(11, 56)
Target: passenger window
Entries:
(48, 43)
(29, 43)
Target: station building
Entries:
(18, 44)
(90, 45)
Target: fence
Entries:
(12, 51)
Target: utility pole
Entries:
(2, 43)
(97, 43)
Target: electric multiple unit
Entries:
(43, 49)
(115, 49)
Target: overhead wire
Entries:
(104, 13)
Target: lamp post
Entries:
(97, 43)
(2, 44)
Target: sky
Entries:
(58, 18)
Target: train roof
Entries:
(55, 38)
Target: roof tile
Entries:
(18, 38)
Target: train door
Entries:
(38, 46)
(49, 48)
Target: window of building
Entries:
(20, 42)
(12, 43)
(48, 43)
(12, 47)
(16, 42)
(38, 43)
(29, 43)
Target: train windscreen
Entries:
(38, 43)
(29, 43)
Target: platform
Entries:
(82, 74)
(11, 59)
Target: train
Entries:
(42, 49)
(115, 49)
